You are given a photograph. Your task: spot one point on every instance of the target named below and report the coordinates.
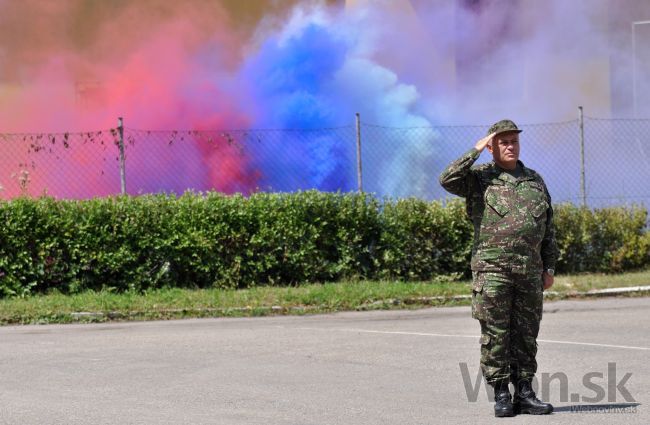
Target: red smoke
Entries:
(160, 65)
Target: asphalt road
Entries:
(388, 367)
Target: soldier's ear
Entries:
(489, 145)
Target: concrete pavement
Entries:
(380, 367)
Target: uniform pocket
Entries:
(477, 282)
(478, 307)
(497, 201)
(539, 208)
(485, 339)
(534, 198)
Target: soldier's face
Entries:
(505, 149)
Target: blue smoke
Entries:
(291, 82)
(317, 77)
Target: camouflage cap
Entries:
(503, 126)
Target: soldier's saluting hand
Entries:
(481, 144)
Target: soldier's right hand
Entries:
(481, 144)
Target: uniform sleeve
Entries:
(550, 252)
(456, 178)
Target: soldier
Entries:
(513, 260)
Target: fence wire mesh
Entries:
(64, 165)
(240, 160)
(396, 162)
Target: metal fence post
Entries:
(120, 128)
(634, 63)
(359, 175)
(583, 190)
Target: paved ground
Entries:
(395, 367)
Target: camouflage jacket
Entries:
(512, 217)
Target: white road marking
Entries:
(550, 341)
(627, 347)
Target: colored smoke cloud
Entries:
(317, 73)
(159, 65)
(204, 65)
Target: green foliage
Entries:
(216, 241)
(601, 240)
(420, 239)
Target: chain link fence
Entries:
(395, 162)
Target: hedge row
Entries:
(213, 240)
(603, 240)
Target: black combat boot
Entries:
(502, 403)
(526, 402)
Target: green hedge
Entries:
(602, 240)
(213, 240)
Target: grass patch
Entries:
(314, 298)
(590, 281)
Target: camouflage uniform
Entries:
(514, 242)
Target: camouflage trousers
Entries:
(509, 308)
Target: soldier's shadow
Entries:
(598, 408)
